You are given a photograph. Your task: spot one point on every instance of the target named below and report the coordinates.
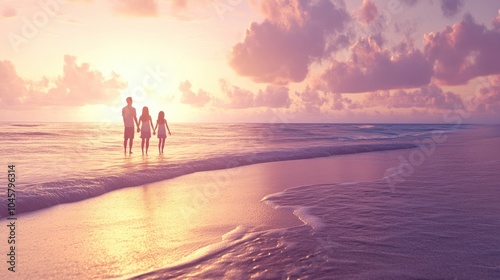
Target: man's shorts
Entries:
(129, 133)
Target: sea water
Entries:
(66, 162)
(441, 221)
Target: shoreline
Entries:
(368, 228)
(80, 189)
(139, 229)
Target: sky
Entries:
(269, 61)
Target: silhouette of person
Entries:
(161, 124)
(129, 119)
(146, 121)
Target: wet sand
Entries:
(140, 229)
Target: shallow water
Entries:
(66, 162)
(440, 221)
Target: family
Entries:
(130, 118)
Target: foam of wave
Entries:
(237, 236)
(303, 213)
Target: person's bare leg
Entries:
(159, 144)
(125, 145)
(142, 146)
(147, 145)
(162, 145)
(130, 145)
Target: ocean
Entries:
(434, 215)
(440, 219)
(67, 162)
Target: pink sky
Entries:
(251, 60)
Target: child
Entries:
(161, 123)
(145, 131)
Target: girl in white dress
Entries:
(161, 124)
(146, 121)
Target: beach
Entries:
(137, 229)
(259, 139)
(341, 216)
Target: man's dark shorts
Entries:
(129, 133)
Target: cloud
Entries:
(311, 100)
(430, 96)
(340, 103)
(238, 98)
(8, 12)
(12, 87)
(409, 3)
(371, 68)
(139, 8)
(463, 51)
(187, 10)
(451, 7)
(496, 21)
(294, 34)
(487, 98)
(369, 11)
(79, 85)
(189, 97)
(179, 5)
(272, 97)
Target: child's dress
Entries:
(162, 132)
(145, 131)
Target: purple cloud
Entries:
(238, 98)
(430, 96)
(9, 12)
(451, 7)
(79, 85)
(487, 98)
(369, 11)
(496, 21)
(463, 51)
(199, 99)
(293, 35)
(371, 68)
(311, 100)
(12, 87)
(410, 3)
(139, 8)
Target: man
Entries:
(129, 117)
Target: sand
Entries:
(139, 229)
